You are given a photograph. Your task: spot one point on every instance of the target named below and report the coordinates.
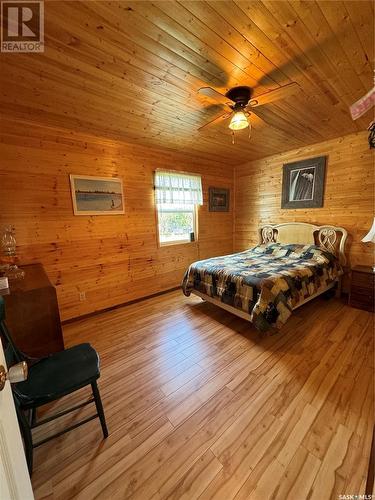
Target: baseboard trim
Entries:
(117, 306)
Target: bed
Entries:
(292, 264)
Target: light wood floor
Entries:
(199, 406)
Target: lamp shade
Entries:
(238, 121)
(370, 236)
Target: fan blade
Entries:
(274, 95)
(218, 119)
(214, 94)
(256, 121)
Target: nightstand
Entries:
(362, 288)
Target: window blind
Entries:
(174, 188)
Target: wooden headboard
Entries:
(332, 238)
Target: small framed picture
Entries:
(96, 195)
(218, 199)
(303, 183)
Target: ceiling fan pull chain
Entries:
(232, 136)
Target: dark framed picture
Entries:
(218, 199)
(303, 183)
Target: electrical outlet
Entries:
(82, 296)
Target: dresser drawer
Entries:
(361, 304)
(361, 298)
(362, 288)
(365, 280)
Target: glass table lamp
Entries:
(8, 247)
(370, 236)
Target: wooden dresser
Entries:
(32, 313)
(362, 288)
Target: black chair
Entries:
(49, 379)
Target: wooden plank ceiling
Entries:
(131, 70)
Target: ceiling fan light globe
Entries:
(238, 121)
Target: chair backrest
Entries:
(12, 354)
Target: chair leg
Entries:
(32, 417)
(99, 408)
(27, 438)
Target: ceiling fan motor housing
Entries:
(240, 96)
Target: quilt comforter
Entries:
(267, 281)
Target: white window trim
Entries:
(195, 222)
(177, 242)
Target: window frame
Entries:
(195, 220)
(177, 242)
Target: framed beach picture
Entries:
(218, 199)
(96, 195)
(303, 183)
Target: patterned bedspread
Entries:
(266, 281)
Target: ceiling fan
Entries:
(240, 103)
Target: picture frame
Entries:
(303, 183)
(218, 199)
(97, 195)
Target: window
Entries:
(177, 196)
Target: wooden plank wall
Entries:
(114, 258)
(348, 198)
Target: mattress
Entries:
(266, 281)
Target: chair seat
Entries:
(57, 375)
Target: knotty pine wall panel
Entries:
(113, 258)
(348, 197)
